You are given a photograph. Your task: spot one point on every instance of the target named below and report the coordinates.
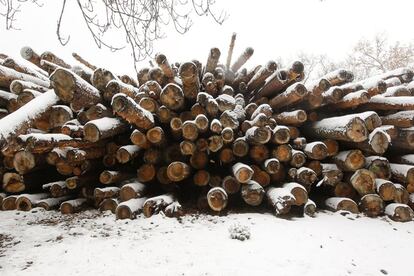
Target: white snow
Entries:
(51, 137)
(403, 101)
(44, 243)
(106, 123)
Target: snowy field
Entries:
(44, 243)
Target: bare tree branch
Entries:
(140, 21)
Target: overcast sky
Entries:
(274, 28)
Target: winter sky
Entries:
(274, 28)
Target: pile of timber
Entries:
(212, 136)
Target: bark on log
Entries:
(344, 128)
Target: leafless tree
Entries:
(141, 21)
(370, 57)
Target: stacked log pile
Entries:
(207, 135)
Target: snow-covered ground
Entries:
(45, 243)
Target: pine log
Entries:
(133, 113)
(363, 182)
(280, 200)
(242, 172)
(17, 86)
(109, 204)
(371, 205)
(26, 202)
(99, 129)
(73, 206)
(51, 203)
(399, 212)
(258, 135)
(25, 161)
(339, 77)
(156, 204)
(332, 175)
(130, 208)
(146, 173)
(379, 166)
(298, 191)
(188, 73)
(252, 193)
(260, 76)
(178, 171)
(298, 158)
(7, 76)
(399, 119)
(103, 193)
(350, 160)
(293, 94)
(242, 59)
(18, 122)
(401, 194)
(316, 150)
(344, 128)
(310, 208)
(385, 189)
(341, 204)
(110, 177)
(72, 89)
(217, 199)
(29, 54)
(82, 180)
(296, 117)
(403, 174)
(9, 203)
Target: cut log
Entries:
(280, 200)
(341, 204)
(126, 108)
(51, 203)
(130, 209)
(156, 204)
(379, 166)
(189, 75)
(385, 189)
(344, 128)
(401, 194)
(252, 193)
(242, 59)
(26, 202)
(403, 174)
(363, 182)
(371, 205)
(217, 199)
(20, 121)
(73, 206)
(100, 129)
(72, 89)
(399, 212)
(298, 191)
(178, 171)
(242, 172)
(9, 203)
(350, 160)
(332, 175)
(7, 76)
(110, 177)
